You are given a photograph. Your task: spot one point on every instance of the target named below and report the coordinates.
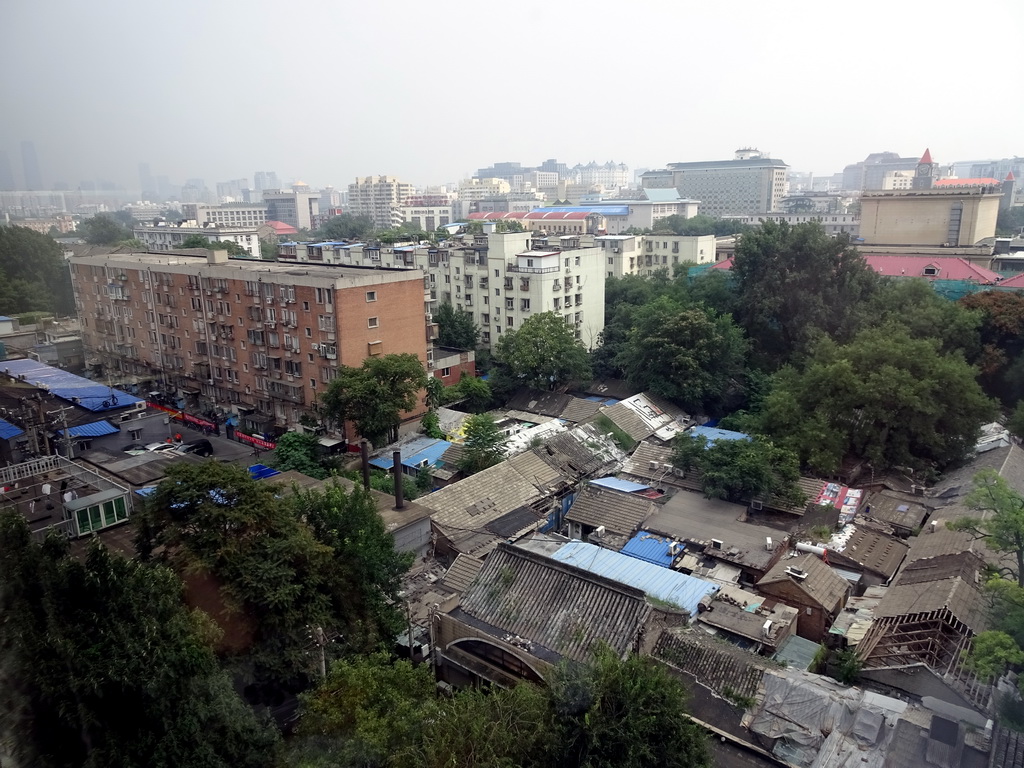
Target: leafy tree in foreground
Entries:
(1002, 526)
(483, 444)
(299, 451)
(455, 329)
(796, 283)
(103, 665)
(213, 519)
(374, 396)
(690, 356)
(474, 392)
(741, 470)
(886, 397)
(33, 274)
(544, 353)
(914, 305)
(1002, 340)
(102, 229)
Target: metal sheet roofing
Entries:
(92, 429)
(421, 449)
(604, 210)
(652, 548)
(8, 430)
(660, 583)
(619, 485)
(87, 394)
(714, 433)
(262, 472)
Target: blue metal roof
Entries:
(660, 583)
(262, 472)
(8, 430)
(651, 548)
(619, 485)
(421, 449)
(90, 395)
(5, 317)
(714, 433)
(92, 429)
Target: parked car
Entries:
(134, 449)
(161, 447)
(200, 447)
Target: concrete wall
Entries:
(923, 218)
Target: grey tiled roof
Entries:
(952, 582)
(578, 409)
(556, 606)
(714, 663)
(876, 551)
(822, 585)
(626, 419)
(538, 401)
(618, 512)
(462, 572)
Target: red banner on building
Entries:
(179, 415)
(259, 442)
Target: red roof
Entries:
(1017, 281)
(930, 267)
(926, 157)
(1010, 177)
(964, 182)
(280, 228)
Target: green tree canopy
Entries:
(198, 241)
(103, 665)
(483, 445)
(1002, 340)
(346, 227)
(914, 305)
(103, 229)
(455, 328)
(33, 274)
(299, 451)
(699, 225)
(796, 283)
(741, 470)
(1002, 524)
(374, 396)
(886, 397)
(691, 356)
(544, 353)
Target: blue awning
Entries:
(8, 430)
(92, 429)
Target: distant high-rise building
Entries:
(6, 173)
(380, 198)
(231, 191)
(262, 180)
(147, 187)
(30, 163)
(297, 208)
(875, 171)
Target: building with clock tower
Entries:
(924, 176)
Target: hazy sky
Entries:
(324, 91)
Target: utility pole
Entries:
(68, 444)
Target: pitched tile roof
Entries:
(618, 512)
(822, 585)
(560, 609)
(714, 663)
(462, 572)
(578, 409)
(946, 267)
(628, 420)
(537, 401)
(875, 551)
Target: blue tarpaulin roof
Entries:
(606, 210)
(262, 472)
(619, 485)
(714, 433)
(92, 429)
(8, 430)
(90, 395)
(651, 549)
(660, 583)
(421, 449)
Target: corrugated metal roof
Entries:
(262, 472)
(714, 433)
(92, 429)
(660, 583)
(8, 430)
(87, 394)
(427, 449)
(652, 548)
(619, 485)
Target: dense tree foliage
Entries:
(299, 451)
(483, 445)
(281, 563)
(741, 470)
(692, 356)
(796, 284)
(887, 397)
(103, 665)
(455, 328)
(608, 713)
(198, 241)
(1001, 524)
(103, 229)
(33, 274)
(1010, 222)
(1001, 359)
(699, 225)
(346, 227)
(913, 304)
(374, 396)
(544, 353)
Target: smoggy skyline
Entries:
(324, 91)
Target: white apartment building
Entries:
(474, 190)
(227, 215)
(501, 278)
(380, 198)
(832, 223)
(645, 254)
(168, 237)
(748, 184)
(609, 175)
(427, 217)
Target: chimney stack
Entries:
(397, 469)
(364, 451)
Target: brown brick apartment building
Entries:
(260, 340)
